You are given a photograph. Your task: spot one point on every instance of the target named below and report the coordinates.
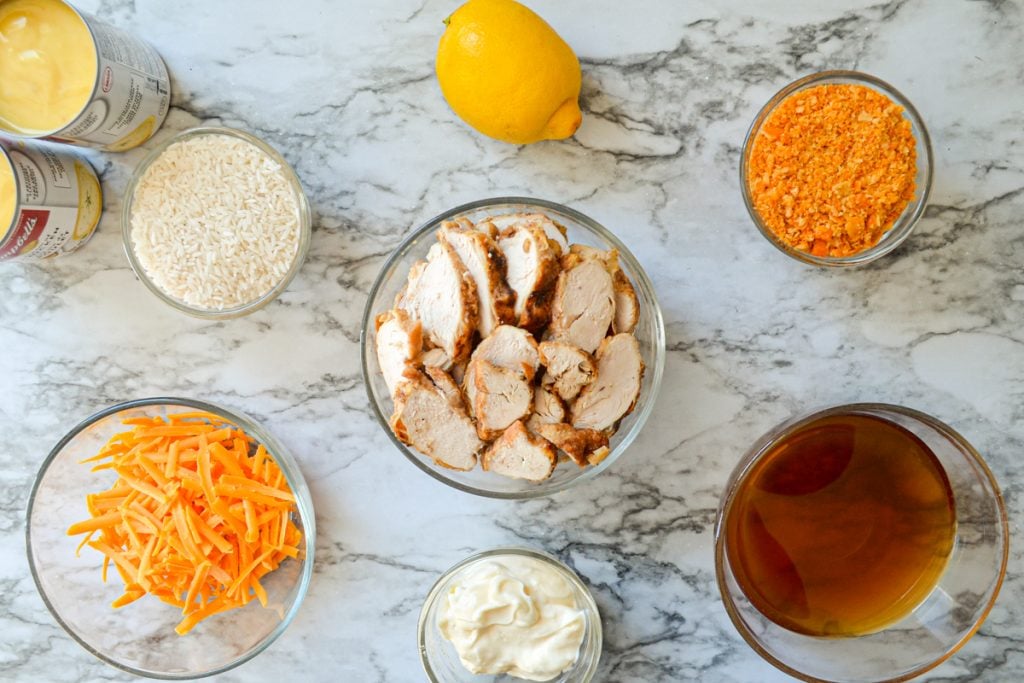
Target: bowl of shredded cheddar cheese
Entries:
(836, 169)
(172, 538)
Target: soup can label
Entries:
(57, 201)
(130, 99)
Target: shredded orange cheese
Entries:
(832, 168)
(198, 515)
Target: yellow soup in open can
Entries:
(50, 200)
(69, 77)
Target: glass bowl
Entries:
(139, 638)
(301, 202)
(950, 614)
(650, 333)
(903, 226)
(439, 657)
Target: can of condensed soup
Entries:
(69, 77)
(50, 200)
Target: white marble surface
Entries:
(346, 91)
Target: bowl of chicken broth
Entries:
(512, 347)
(865, 542)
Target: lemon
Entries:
(90, 202)
(508, 74)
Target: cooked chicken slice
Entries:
(511, 348)
(531, 271)
(436, 358)
(442, 296)
(443, 381)
(585, 252)
(627, 307)
(584, 305)
(507, 347)
(486, 265)
(603, 402)
(547, 408)
(399, 342)
(521, 455)
(556, 234)
(576, 443)
(569, 368)
(488, 228)
(463, 223)
(502, 396)
(426, 419)
(402, 299)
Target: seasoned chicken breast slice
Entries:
(447, 386)
(532, 269)
(555, 234)
(627, 306)
(436, 358)
(568, 368)
(403, 299)
(519, 454)
(428, 418)
(507, 347)
(486, 265)
(584, 305)
(442, 297)
(576, 443)
(501, 397)
(512, 348)
(399, 341)
(547, 409)
(614, 391)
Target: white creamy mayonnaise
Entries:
(514, 615)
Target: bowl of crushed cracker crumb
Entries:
(836, 169)
(215, 222)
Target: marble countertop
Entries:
(346, 91)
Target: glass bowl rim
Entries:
(301, 204)
(303, 504)
(764, 443)
(653, 375)
(891, 240)
(589, 604)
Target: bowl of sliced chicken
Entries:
(512, 347)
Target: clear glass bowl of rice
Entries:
(215, 222)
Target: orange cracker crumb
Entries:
(832, 168)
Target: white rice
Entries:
(215, 222)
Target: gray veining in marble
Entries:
(346, 91)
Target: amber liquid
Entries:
(842, 528)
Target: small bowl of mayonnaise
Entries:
(510, 614)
